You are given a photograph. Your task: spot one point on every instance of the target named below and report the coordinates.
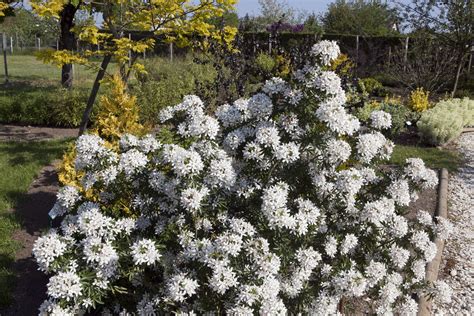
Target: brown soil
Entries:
(25, 133)
(426, 202)
(30, 287)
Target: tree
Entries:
(311, 24)
(184, 22)
(272, 11)
(360, 17)
(451, 22)
(229, 18)
(24, 26)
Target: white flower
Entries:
(400, 192)
(65, 285)
(144, 252)
(267, 136)
(375, 272)
(52, 308)
(444, 228)
(338, 151)
(47, 248)
(275, 86)
(132, 162)
(274, 206)
(92, 222)
(184, 162)
(90, 151)
(326, 51)
(370, 145)
(180, 287)
(418, 268)
(442, 292)
(223, 277)
(408, 307)
(191, 198)
(381, 119)
(128, 141)
(349, 242)
(103, 253)
(421, 241)
(424, 218)
(221, 173)
(324, 305)
(337, 119)
(415, 169)
(287, 153)
(399, 256)
(260, 106)
(331, 246)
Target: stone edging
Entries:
(432, 269)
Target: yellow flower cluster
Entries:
(118, 114)
(419, 101)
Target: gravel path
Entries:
(457, 266)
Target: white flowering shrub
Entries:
(274, 205)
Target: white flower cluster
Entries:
(326, 51)
(381, 120)
(275, 205)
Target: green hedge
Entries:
(50, 106)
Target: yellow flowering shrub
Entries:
(419, 101)
(342, 65)
(118, 114)
(3, 7)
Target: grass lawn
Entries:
(34, 95)
(434, 158)
(20, 162)
(28, 68)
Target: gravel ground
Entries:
(457, 266)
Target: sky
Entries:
(252, 7)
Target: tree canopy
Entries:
(360, 17)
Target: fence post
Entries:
(254, 44)
(11, 44)
(357, 53)
(39, 43)
(405, 56)
(4, 48)
(270, 43)
(469, 65)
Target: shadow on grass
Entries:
(34, 152)
(27, 86)
(21, 284)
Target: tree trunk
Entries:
(95, 89)
(458, 75)
(67, 41)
